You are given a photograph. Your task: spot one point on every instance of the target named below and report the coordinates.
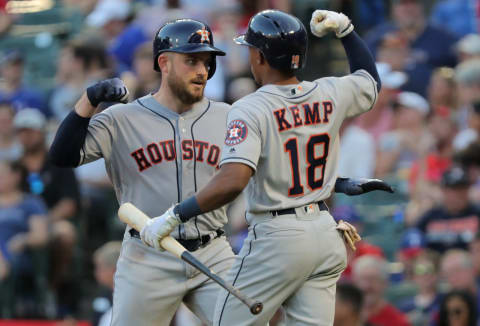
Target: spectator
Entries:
(457, 271)
(442, 90)
(370, 274)
(379, 120)
(412, 245)
(454, 222)
(469, 159)
(419, 308)
(474, 249)
(10, 148)
(408, 141)
(348, 306)
(143, 80)
(12, 89)
(81, 64)
(458, 16)
(467, 136)
(105, 260)
(23, 226)
(458, 309)
(468, 47)
(426, 172)
(356, 143)
(467, 76)
(431, 46)
(123, 38)
(58, 187)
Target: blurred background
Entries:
(419, 260)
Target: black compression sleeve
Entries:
(70, 137)
(359, 56)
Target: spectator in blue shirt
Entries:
(13, 90)
(23, 222)
(430, 45)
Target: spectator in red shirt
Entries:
(370, 274)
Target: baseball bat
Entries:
(137, 219)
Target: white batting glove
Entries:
(324, 21)
(158, 228)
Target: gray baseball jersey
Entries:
(156, 157)
(289, 136)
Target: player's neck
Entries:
(165, 97)
(276, 78)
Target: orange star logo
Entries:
(204, 34)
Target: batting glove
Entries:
(349, 233)
(354, 187)
(158, 228)
(324, 21)
(110, 90)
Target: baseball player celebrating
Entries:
(283, 142)
(158, 150)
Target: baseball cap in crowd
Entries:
(108, 10)
(469, 44)
(11, 56)
(412, 243)
(389, 78)
(29, 119)
(455, 177)
(413, 101)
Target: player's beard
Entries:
(180, 89)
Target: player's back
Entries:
(289, 135)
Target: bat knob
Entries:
(256, 308)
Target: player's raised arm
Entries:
(359, 56)
(71, 134)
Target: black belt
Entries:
(191, 244)
(321, 205)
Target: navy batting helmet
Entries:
(185, 36)
(281, 38)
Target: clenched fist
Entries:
(110, 90)
(158, 228)
(324, 21)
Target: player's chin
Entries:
(197, 89)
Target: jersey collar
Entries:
(197, 109)
(289, 91)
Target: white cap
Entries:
(413, 101)
(469, 44)
(108, 10)
(29, 118)
(389, 78)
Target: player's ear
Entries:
(261, 59)
(163, 62)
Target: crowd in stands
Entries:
(419, 260)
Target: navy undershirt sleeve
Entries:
(70, 137)
(359, 56)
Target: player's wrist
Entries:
(187, 209)
(84, 108)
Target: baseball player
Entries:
(158, 150)
(283, 142)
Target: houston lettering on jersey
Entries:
(155, 153)
(303, 115)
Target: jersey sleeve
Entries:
(243, 139)
(357, 92)
(100, 135)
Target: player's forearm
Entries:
(71, 134)
(359, 56)
(222, 189)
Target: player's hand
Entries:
(349, 233)
(324, 21)
(354, 187)
(110, 90)
(158, 228)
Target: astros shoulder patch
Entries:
(236, 132)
